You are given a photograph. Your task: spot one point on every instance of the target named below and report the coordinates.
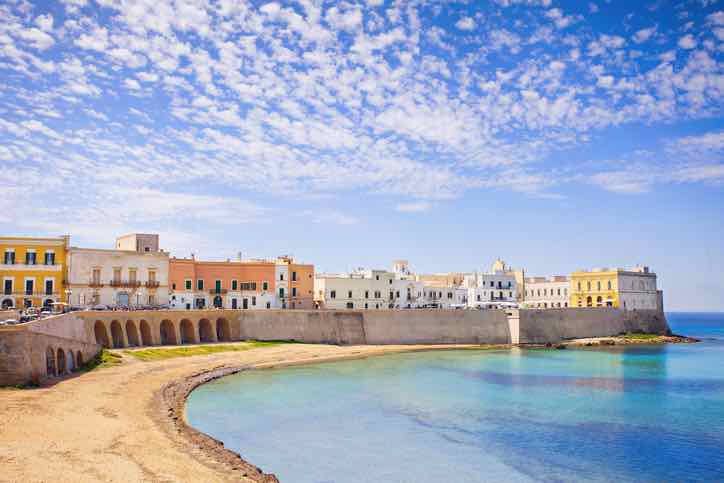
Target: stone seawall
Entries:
(555, 325)
(40, 349)
(30, 353)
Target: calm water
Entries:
(635, 414)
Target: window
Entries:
(349, 294)
(268, 305)
(253, 300)
(29, 287)
(598, 285)
(117, 275)
(187, 284)
(265, 286)
(96, 280)
(350, 305)
(48, 287)
(609, 285)
(281, 292)
(281, 276)
(132, 275)
(49, 258)
(366, 306)
(234, 285)
(199, 284)
(9, 257)
(8, 286)
(217, 286)
(492, 284)
(248, 286)
(294, 276)
(579, 286)
(367, 294)
(30, 258)
(589, 285)
(173, 286)
(152, 275)
(390, 281)
(377, 277)
(333, 294)
(294, 291)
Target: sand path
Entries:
(111, 424)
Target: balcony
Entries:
(153, 284)
(125, 283)
(218, 291)
(95, 284)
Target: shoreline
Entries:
(127, 422)
(171, 401)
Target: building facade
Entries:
(383, 290)
(633, 289)
(118, 278)
(547, 292)
(497, 287)
(364, 290)
(252, 284)
(33, 271)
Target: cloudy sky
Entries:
(555, 134)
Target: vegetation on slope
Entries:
(197, 350)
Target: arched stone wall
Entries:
(50, 366)
(101, 333)
(60, 362)
(206, 332)
(167, 332)
(223, 330)
(79, 360)
(146, 335)
(132, 334)
(71, 361)
(117, 335)
(188, 334)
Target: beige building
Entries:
(547, 292)
(127, 278)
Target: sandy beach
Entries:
(125, 423)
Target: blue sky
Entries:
(555, 134)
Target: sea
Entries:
(634, 413)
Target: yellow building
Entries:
(633, 289)
(33, 271)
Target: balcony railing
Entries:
(25, 293)
(218, 291)
(153, 284)
(95, 283)
(125, 283)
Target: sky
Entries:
(557, 135)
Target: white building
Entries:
(547, 292)
(637, 289)
(117, 277)
(491, 289)
(381, 289)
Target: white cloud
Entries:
(687, 42)
(45, 22)
(465, 23)
(643, 35)
(415, 207)
(36, 38)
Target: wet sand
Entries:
(126, 422)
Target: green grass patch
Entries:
(199, 350)
(640, 336)
(104, 358)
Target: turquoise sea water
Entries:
(622, 414)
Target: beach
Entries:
(123, 423)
